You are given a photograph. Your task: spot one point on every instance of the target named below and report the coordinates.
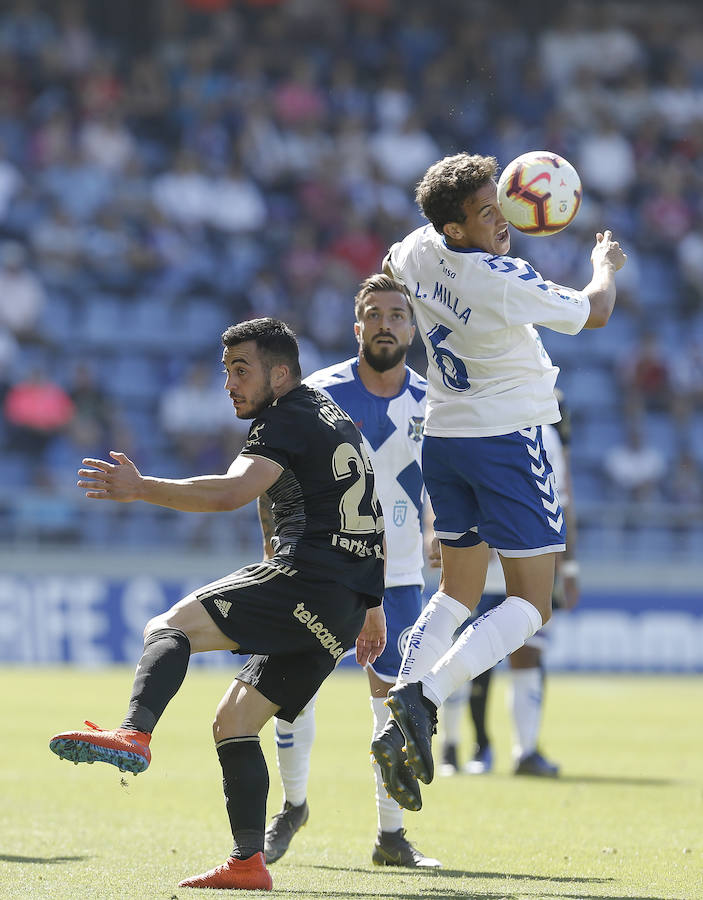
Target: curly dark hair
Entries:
(447, 183)
(273, 338)
(379, 284)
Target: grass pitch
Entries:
(625, 819)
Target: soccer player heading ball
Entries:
(490, 391)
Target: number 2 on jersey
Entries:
(353, 521)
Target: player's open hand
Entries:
(372, 637)
(608, 251)
(119, 481)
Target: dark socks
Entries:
(245, 780)
(159, 675)
(478, 699)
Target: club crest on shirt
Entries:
(415, 427)
(400, 512)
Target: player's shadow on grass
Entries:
(439, 892)
(459, 892)
(460, 873)
(41, 860)
(625, 780)
(618, 779)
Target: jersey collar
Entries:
(357, 378)
(461, 249)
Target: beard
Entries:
(258, 405)
(385, 356)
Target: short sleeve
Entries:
(530, 300)
(275, 435)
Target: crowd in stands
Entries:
(168, 168)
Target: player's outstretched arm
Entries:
(607, 257)
(122, 482)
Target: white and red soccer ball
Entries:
(539, 193)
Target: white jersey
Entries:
(495, 580)
(488, 372)
(392, 429)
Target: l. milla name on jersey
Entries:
(325, 637)
(443, 295)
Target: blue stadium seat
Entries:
(591, 391)
(151, 322)
(104, 322)
(134, 377)
(198, 323)
(60, 320)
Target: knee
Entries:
(151, 626)
(228, 723)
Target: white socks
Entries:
(525, 699)
(452, 711)
(431, 636)
(390, 815)
(491, 638)
(293, 748)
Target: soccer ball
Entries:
(539, 193)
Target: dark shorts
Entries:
(296, 626)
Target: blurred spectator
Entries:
(690, 257)
(687, 378)
(184, 193)
(106, 142)
(685, 482)
(79, 186)
(22, 296)
(197, 415)
(358, 247)
(57, 245)
(404, 151)
(298, 98)
(646, 379)
(605, 161)
(10, 183)
(36, 409)
(240, 205)
(91, 404)
(685, 491)
(636, 469)
(9, 352)
(75, 47)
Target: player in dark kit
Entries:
(296, 613)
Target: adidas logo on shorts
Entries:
(313, 624)
(224, 606)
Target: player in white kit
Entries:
(386, 400)
(490, 390)
(527, 673)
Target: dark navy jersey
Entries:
(327, 517)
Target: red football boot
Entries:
(128, 750)
(235, 874)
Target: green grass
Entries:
(625, 820)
